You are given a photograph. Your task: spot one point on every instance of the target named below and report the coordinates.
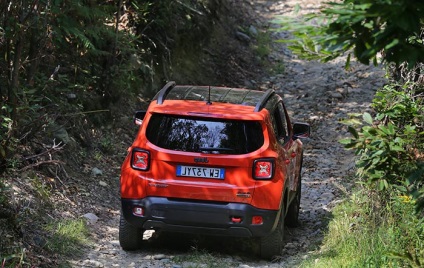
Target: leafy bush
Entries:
(368, 27)
(5, 128)
(382, 157)
(389, 143)
(400, 104)
(416, 185)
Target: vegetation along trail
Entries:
(321, 94)
(73, 73)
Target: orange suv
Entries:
(213, 160)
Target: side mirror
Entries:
(138, 117)
(301, 130)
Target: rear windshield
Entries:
(193, 134)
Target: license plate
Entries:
(200, 172)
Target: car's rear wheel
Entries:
(130, 237)
(292, 217)
(271, 245)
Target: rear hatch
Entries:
(200, 158)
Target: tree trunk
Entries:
(14, 89)
(33, 56)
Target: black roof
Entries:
(240, 96)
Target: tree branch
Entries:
(56, 162)
(55, 147)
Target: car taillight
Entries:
(257, 220)
(263, 169)
(140, 159)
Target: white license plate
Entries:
(200, 172)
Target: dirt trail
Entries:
(316, 93)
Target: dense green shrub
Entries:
(389, 146)
(382, 156)
(69, 66)
(416, 185)
(378, 227)
(82, 58)
(364, 27)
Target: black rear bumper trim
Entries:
(196, 217)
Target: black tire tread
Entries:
(292, 217)
(271, 245)
(130, 237)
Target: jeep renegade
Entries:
(213, 160)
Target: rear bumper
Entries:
(199, 217)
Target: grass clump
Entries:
(263, 44)
(263, 49)
(367, 231)
(68, 236)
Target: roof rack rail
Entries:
(164, 91)
(263, 100)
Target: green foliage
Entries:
(42, 189)
(416, 185)
(79, 24)
(95, 50)
(67, 236)
(5, 130)
(262, 48)
(381, 149)
(106, 144)
(62, 62)
(368, 231)
(389, 144)
(307, 37)
(13, 260)
(399, 104)
(368, 27)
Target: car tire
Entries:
(271, 245)
(292, 217)
(130, 237)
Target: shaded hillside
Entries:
(68, 96)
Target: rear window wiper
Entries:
(215, 149)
